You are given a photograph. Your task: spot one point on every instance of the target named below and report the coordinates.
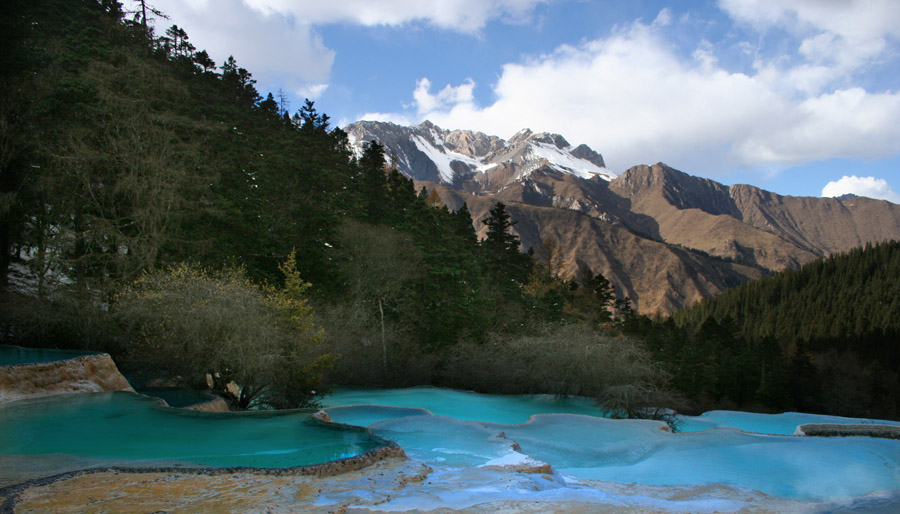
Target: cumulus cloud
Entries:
(388, 117)
(457, 15)
(861, 186)
(276, 49)
(276, 39)
(312, 91)
(447, 98)
(632, 97)
(836, 37)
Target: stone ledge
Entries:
(10, 495)
(84, 374)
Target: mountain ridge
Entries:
(751, 230)
(474, 160)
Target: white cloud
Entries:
(389, 117)
(633, 98)
(447, 98)
(275, 49)
(838, 37)
(458, 15)
(312, 91)
(861, 186)
(276, 39)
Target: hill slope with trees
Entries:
(822, 338)
(156, 206)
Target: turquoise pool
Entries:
(12, 355)
(448, 429)
(755, 451)
(462, 405)
(125, 426)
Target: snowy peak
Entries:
(474, 160)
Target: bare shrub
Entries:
(367, 360)
(259, 345)
(572, 359)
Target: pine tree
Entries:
(500, 256)
(373, 182)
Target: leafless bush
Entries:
(192, 323)
(573, 359)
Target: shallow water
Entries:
(12, 355)
(781, 424)
(463, 405)
(463, 431)
(738, 449)
(130, 426)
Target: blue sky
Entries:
(799, 97)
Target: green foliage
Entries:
(850, 297)
(373, 182)
(501, 259)
(68, 319)
(822, 338)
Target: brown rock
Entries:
(85, 374)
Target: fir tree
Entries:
(500, 256)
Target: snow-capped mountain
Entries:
(473, 160)
(665, 238)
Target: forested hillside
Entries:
(823, 338)
(851, 300)
(156, 206)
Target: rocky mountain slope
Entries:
(474, 161)
(664, 238)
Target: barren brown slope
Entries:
(658, 278)
(549, 188)
(821, 225)
(746, 223)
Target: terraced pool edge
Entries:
(10, 494)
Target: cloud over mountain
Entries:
(870, 187)
(634, 95)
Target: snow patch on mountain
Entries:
(565, 162)
(458, 153)
(443, 158)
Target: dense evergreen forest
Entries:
(156, 206)
(823, 338)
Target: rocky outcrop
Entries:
(214, 405)
(474, 161)
(85, 374)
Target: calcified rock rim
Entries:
(92, 373)
(325, 469)
(859, 430)
(10, 494)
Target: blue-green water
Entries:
(12, 355)
(130, 426)
(514, 409)
(721, 447)
(457, 429)
(462, 405)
